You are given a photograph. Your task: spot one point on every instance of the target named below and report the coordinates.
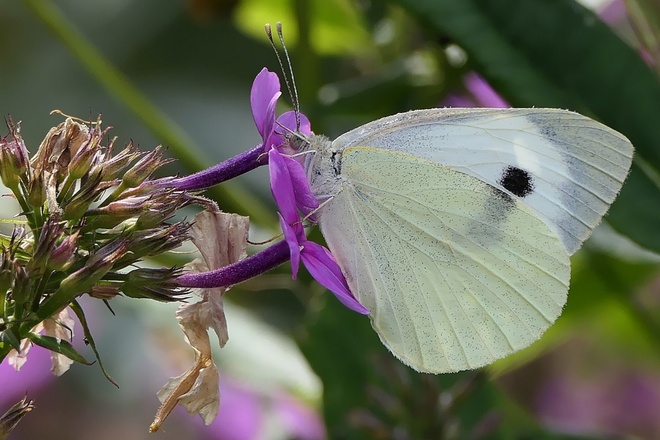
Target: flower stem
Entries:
(241, 271)
(223, 171)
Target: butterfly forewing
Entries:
(575, 165)
(456, 273)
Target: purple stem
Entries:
(238, 272)
(223, 171)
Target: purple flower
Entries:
(292, 192)
(290, 188)
(263, 99)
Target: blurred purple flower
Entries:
(479, 94)
(32, 376)
(248, 415)
(290, 188)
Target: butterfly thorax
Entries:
(323, 166)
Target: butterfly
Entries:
(455, 227)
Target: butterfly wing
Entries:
(455, 273)
(576, 165)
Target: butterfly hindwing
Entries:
(456, 273)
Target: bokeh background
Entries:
(298, 365)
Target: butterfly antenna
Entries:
(290, 84)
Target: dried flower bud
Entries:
(60, 144)
(144, 167)
(14, 162)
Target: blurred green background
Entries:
(298, 365)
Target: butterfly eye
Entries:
(517, 181)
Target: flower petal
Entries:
(286, 126)
(322, 266)
(288, 120)
(294, 247)
(305, 199)
(263, 98)
(281, 186)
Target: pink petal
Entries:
(322, 266)
(294, 247)
(263, 98)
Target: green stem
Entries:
(232, 197)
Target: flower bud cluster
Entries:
(89, 214)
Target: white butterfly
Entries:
(454, 227)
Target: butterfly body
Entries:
(454, 227)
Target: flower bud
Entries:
(157, 284)
(144, 167)
(51, 231)
(22, 285)
(97, 266)
(37, 190)
(13, 416)
(104, 291)
(82, 161)
(14, 162)
(88, 193)
(63, 255)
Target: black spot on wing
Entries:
(517, 181)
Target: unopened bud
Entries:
(14, 160)
(158, 240)
(97, 266)
(21, 286)
(37, 190)
(144, 167)
(51, 231)
(124, 208)
(82, 161)
(81, 201)
(63, 255)
(13, 416)
(104, 291)
(114, 164)
(156, 284)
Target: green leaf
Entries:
(9, 338)
(57, 345)
(75, 306)
(556, 53)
